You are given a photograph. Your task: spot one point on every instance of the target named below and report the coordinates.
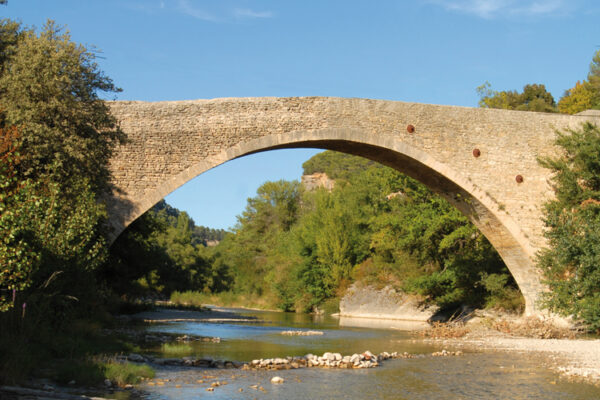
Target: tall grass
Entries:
(95, 370)
(34, 346)
(176, 349)
(126, 373)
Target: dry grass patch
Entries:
(448, 330)
(533, 327)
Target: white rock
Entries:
(276, 379)
(135, 357)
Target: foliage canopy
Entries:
(572, 262)
(49, 88)
(534, 97)
(55, 167)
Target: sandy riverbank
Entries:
(574, 359)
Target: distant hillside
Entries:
(337, 165)
(200, 234)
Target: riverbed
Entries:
(248, 335)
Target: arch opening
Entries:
(483, 211)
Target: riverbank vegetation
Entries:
(571, 263)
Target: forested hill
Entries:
(337, 165)
(200, 234)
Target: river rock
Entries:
(334, 360)
(276, 379)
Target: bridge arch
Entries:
(170, 143)
(500, 229)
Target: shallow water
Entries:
(484, 375)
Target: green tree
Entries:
(534, 97)
(275, 205)
(336, 165)
(49, 88)
(577, 99)
(594, 78)
(267, 218)
(17, 258)
(571, 263)
(585, 95)
(136, 257)
(45, 240)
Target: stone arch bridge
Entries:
(484, 161)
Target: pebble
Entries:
(276, 379)
(446, 353)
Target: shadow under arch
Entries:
(500, 228)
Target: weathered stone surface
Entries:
(172, 142)
(364, 301)
(317, 180)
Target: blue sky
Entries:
(429, 51)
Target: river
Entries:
(474, 375)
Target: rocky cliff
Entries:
(364, 301)
(317, 180)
